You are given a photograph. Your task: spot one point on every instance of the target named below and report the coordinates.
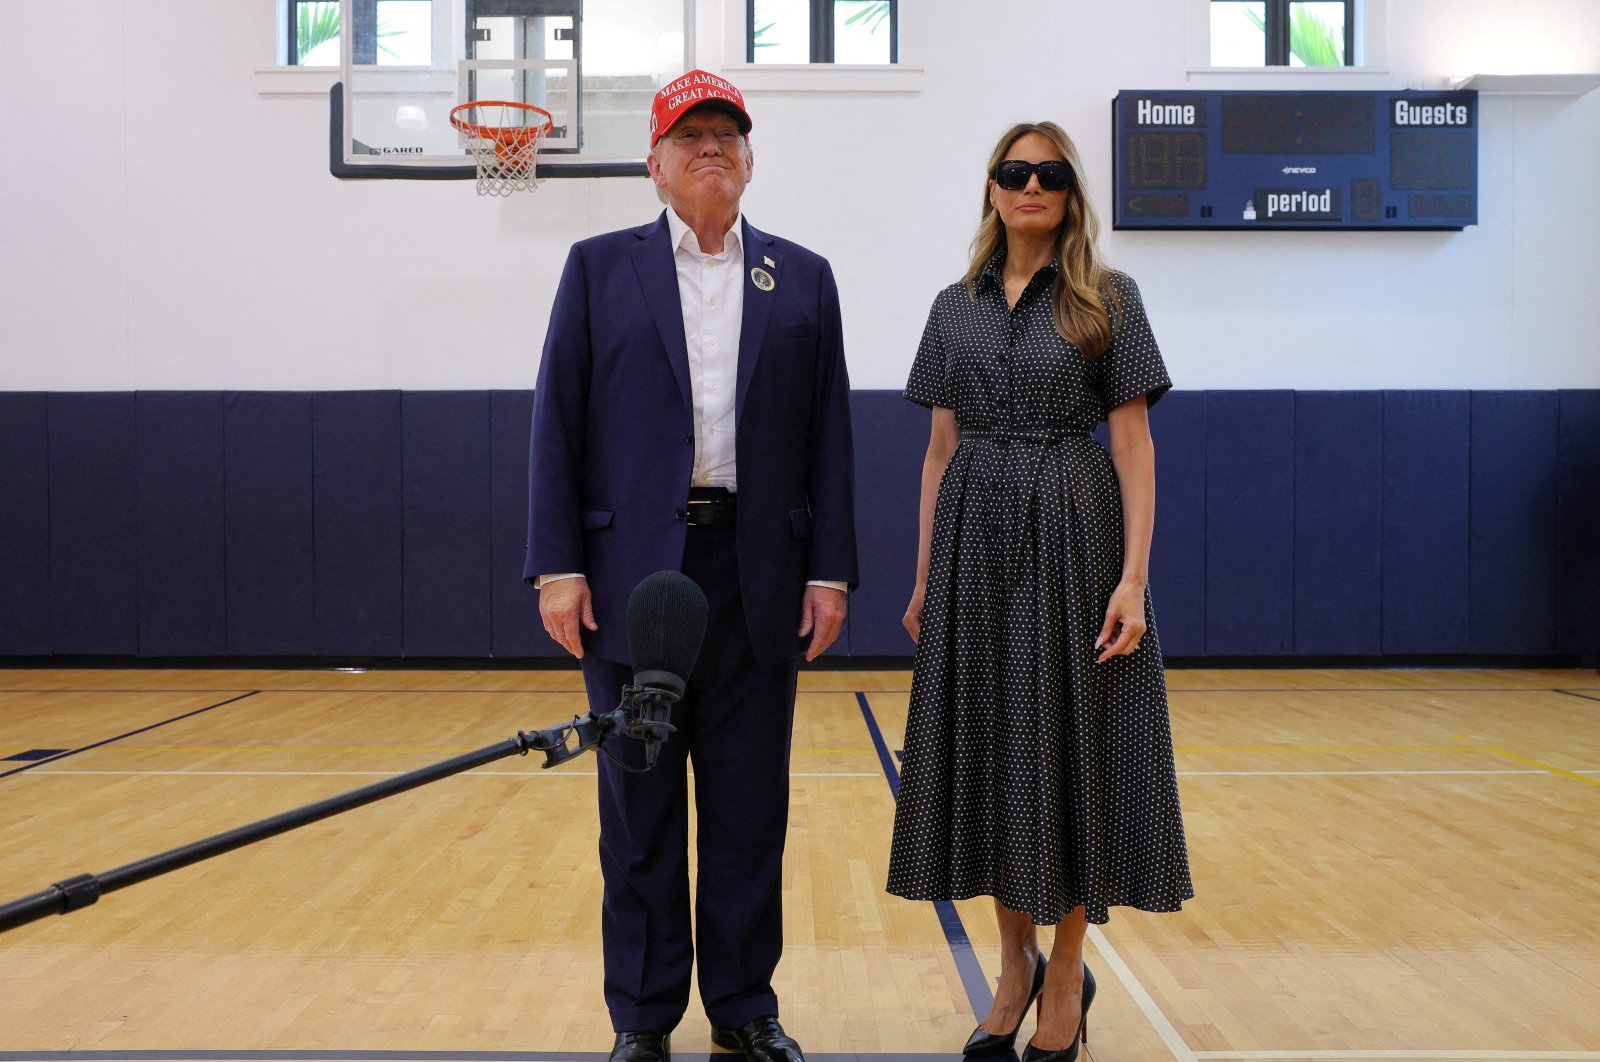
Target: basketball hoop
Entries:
(503, 139)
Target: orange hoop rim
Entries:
(510, 135)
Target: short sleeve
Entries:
(1132, 365)
(926, 387)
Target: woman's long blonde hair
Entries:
(1083, 300)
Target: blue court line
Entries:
(119, 737)
(955, 933)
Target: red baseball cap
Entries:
(692, 90)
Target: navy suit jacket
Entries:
(612, 449)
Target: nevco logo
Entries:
(1431, 112)
(1299, 169)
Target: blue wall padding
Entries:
(1249, 522)
(514, 606)
(1425, 512)
(1511, 579)
(891, 439)
(1338, 522)
(24, 524)
(182, 576)
(446, 524)
(356, 490)
(94, 546)
(1578, 523)
(1178, 549)
(381, 524)
(270, 529)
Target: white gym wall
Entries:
(170, 222)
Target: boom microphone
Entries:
(666, 623)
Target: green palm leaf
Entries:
(317, 23)
(314, 24)
(1311, 40)
(871, 16)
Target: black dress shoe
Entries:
(1070, 1052)
(763, 1040)
(641, 1047)
(988, 1043)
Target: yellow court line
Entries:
(1322, 748)
(362, 748)
(1463, 747)
(287, 748)
(1563, 772)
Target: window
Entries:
(859, 32)
(1302, 33)
(387, 32)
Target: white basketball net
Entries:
(504, 141)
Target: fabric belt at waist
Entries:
(1032, 435)
(710, 507)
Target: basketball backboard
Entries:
(595, 65)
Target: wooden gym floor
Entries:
(1389, 864)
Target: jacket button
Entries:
(688, 436)
(681, 513)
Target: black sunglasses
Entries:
(1013, 174)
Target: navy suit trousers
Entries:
(733, 725)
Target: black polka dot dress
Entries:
(1031, 773)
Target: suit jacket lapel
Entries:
(658, 276)
(758, 305)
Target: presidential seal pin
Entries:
(762, 279)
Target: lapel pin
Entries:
(762, 279)
(769, 263)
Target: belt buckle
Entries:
(707, 512)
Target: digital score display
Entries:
(1295, 160)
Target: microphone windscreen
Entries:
(666, 623)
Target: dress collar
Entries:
(683, 236)
(993, 271)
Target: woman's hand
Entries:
(913, 617)
(1124, 624)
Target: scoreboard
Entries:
(1295, 160)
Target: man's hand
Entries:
(821, 616)
(564, 604)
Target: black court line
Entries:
(1575, 693)
(955, 934)
(129, 734)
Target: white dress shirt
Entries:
(711, 295)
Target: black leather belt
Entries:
(710, 507)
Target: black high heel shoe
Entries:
(988, 1043)
(1070, 1052)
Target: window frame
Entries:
(822, 20)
